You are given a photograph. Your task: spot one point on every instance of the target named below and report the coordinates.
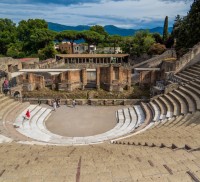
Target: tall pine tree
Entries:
(165, 30)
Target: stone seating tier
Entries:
(177, 132)
(103, 162)
(128, 120)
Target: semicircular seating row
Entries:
(175, 116)
(128, 120)
(8, 110)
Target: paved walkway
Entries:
(82, 120)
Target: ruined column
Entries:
(69, 81)
(120, 74)
(84, 78)
(128, 79)
(98, 77)
(110, 78)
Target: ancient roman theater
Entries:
(93, 139)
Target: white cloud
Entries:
(127, 13)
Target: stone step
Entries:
(170, 108)
(186, 76)
(175, 103)
(6, 108)
(181, 78)
(140, 115)
(163, 108)
(19, 120)
(193, 95)
(183, 105)
(4, 102)
(189, 102)
(156, 111)
(190, 73)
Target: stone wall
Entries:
(189, 58)
(51, 63)
(104, 75)
(171, 87)
(93, 102)
(156, 61)
(167, 67)
(70, 80)
(115, 78)
(31, 82)
(9, 64)
(149, 77)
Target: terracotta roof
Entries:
(92, 55)
(27, 59)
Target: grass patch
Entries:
(134, 93)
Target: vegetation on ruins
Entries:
(135, 93)
(186, 30)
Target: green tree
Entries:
(91, 37)
(7, 34)
(165, 30)
(70, 35)
(127, 44)
(142, 41)
(186, 30)
(157, 48)
(157, 38)
(193, 21)
(99, 29)
(15, 50)
(34, 35)
(115, 40)
(47, 52)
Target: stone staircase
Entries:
(175, 117)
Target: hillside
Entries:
(111, 29)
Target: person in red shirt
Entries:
(28, 115)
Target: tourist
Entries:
(28, 115)
(54, 105)
(39, 101)
(5, 83)
(58, 102)
(74, 103)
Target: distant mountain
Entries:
(58, 27)
(111, 29)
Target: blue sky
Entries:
(121, 13)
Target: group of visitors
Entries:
(55, 104)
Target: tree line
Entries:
(186, 30)
(32, 38)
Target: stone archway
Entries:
(17, 94)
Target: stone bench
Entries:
(189, 102)
(183, 105)
(192, 94)
(163, 108)
(140, 115)
(170, 108)
(156, 111)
